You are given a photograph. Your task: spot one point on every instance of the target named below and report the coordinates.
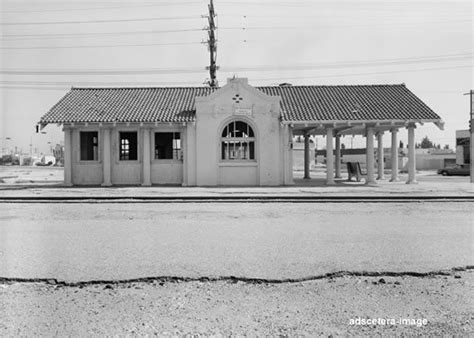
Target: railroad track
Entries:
(234, 199)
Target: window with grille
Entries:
(89, 141)
(167, 146)
(238, 142)
(128, 146)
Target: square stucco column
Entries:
(306, 156)
(370, 160)
(411, 155)
(146, 158)
(394, 150)
(338, 156)
(329, 157)
(67, 157)
(287, 147)
(107, 159)
(380, 163)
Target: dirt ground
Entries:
(48, 237)
(26, 175)
(319, 307)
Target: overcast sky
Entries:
(53, 45)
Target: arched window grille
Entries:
(238, 142)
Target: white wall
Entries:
(124, 172)
(262, 113)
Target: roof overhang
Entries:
(355, 126)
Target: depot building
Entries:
(233, 135)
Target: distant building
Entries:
(463, 142)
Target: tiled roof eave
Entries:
(55, 121)
(316, 121)
(43, 122)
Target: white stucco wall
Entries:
(262, 113)
(123, 172)
(85, 172)
(167, 172)
(126, 172)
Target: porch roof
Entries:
(299, 104)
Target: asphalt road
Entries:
(280, 240)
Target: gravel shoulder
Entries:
(321, 307)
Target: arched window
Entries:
(238, 142)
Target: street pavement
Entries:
(80, 242)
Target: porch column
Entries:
(67, 157)
(394, 149)
(306, 156)
(338, 156)
(107, 159)
(146, 158)
(411, 155)
(370, 160)
(329, 157)
(380, 163)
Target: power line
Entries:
(97, 21)
(342, 64)
(174, 3)
(55, 35)
(154, 83)
(373, 63)
(33, 87)
(93, 83)
(270, 3)
(102, 72)
(339, 26)
(361, 74)
(106, 46)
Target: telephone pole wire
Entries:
(212, 45)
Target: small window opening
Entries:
(89, 141)
(128, 146)
(168, 146)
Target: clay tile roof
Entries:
(299, 103)
(350, 103)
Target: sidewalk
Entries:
(46, 183)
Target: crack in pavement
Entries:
(234, 279)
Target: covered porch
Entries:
(373, 132)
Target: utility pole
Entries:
(212, 45)
(471, 131)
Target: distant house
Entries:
(463, 142)
(234, 135)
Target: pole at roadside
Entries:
(471, 125)
(471, 132)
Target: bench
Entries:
(353, 170)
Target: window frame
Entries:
(97, 145)
(119, 140)
(244, 139)
(178, 151)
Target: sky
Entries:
(48, 46)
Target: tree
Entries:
(400, 145)
(446, 146)
(426, 143)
